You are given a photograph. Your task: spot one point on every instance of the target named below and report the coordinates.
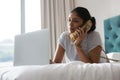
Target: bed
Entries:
(75, 70)
(70, 71)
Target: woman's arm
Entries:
(59, 54)
(80, 51)
(95, 53)
(82, 55)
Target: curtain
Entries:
(54, 14)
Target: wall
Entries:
(100, 9)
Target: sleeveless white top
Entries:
(91, 41)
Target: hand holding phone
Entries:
(85, 27)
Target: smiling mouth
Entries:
(73, 28)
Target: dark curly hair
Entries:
(85, 15)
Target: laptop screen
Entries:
(32, 48)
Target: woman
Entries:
(88, 41)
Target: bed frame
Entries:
(112, 34)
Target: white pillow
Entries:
(114, 56)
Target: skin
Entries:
(75, 22)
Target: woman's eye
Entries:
(75, 21)
(69, 20)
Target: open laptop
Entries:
(32, 48)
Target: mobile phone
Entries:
(86, 27)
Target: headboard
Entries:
(112, 34)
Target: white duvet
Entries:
(70, 71)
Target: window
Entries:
(11, 24)
(9, 27)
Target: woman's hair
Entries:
(85, 15)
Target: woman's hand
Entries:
(81, 35)
(51, 62)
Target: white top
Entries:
(91, 41)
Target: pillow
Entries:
(114, 56)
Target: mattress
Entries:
(66, 71)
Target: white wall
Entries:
(100, 9)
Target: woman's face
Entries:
(74, 22)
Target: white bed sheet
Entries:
(71, 71)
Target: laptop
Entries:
(32, 48)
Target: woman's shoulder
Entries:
(93, 34)
(94, 37)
